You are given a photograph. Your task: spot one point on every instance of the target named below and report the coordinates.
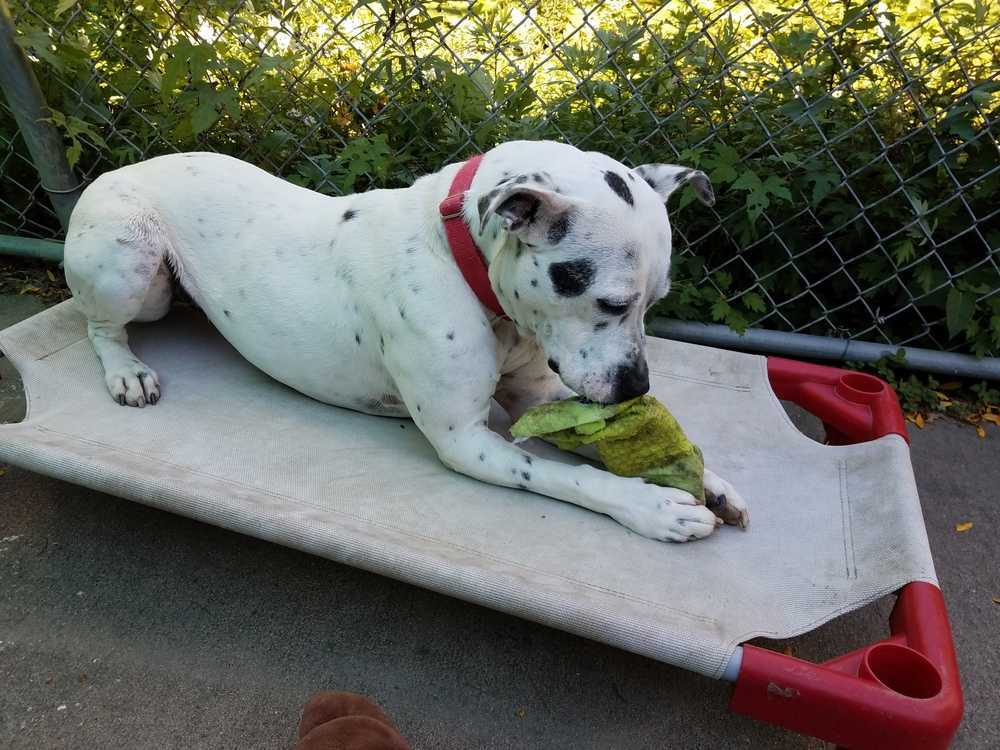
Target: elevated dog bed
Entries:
(834, 527)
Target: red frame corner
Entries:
(854, 406)
(900, 693)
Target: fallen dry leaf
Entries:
(951, 385)
(48, 272)
(996, 599)
(980, 431)
(3, 470)
(994, 418)
(960, 527)
(919, 421)
(521, 713)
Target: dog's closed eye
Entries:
(613, 306)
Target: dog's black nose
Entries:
(631, 381)
(554, 366)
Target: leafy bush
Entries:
(853, 146)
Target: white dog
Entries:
(358, 301)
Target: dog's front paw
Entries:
(133, 384)
(667, 515)
(723, 500)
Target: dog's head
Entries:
(587, 253)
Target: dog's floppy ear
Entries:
(535, 214)
(665, 178)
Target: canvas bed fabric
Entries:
(833, 528)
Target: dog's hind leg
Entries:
(116, 267)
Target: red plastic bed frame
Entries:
(901, 693)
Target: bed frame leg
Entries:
(901, 692)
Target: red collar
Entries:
(463, 247)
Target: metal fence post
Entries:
(24, 96)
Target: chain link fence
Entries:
(853, 145)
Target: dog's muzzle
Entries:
(631, 381)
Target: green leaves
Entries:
(78, 132)
(760, 192)
(37, 42)
(959, 309)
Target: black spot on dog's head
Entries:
(349, 214)
(559, 228)
(450, 335)
(617, 184)
(227, 313)
(573, 277)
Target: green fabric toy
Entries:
(636, 438)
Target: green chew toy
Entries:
(636, 438)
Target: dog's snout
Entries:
(631, 381)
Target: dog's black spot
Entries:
(418, 407)
(200, 219)
(349, 214)
(527, 459)
(631, 176)
(517, 294)
(521, 179)
(630, 251)
(484, 203)
(381, 344)
(616, 183)
(537, 177)
(450, 335)
(411, 250)
(583, 354)
(535, 261)
(482, 456)
(558, 228)
(402, 313)
(553, 365)
(402, 427)
(681, 176)
(451, 428)
(526, 475)
(227, 313)
(414, 288)
(571, 278)
(357, 339)
(649, 181)
(201, 234)
(250, 220)
(534, 282)
(599, 326)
